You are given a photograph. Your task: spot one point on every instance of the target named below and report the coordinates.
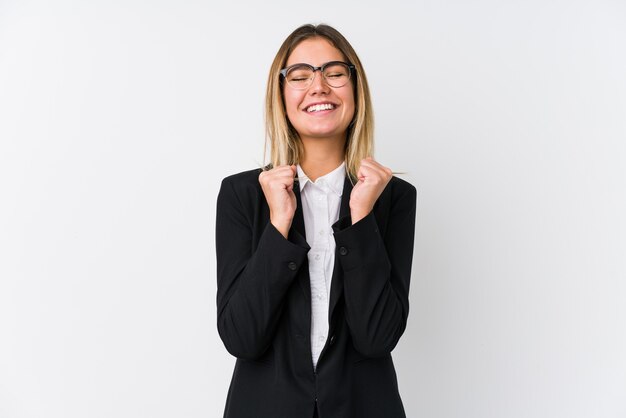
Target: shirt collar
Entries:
(333, 180)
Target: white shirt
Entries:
(320, 206)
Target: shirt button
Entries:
(321, 232)
(343, 250)
(292, 266)
(317, 256)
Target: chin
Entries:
(321, 132)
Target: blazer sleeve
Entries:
(377, 273)
(252, 277)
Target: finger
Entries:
(373, 163)
(283, 171)
(276, 181)
(374, 176)
(368, 170)
(381, 169)
(285, 178)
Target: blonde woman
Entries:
(314, 250)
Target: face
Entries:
(319, 122)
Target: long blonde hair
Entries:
(284, 142)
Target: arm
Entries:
(252, 281)
(377, 272)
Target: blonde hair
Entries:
(284, 142)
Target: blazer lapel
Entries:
(336, 285)
(298, 225)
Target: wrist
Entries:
(356, 215)
(282, 225)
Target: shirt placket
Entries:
(317, 264)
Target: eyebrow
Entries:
(316, 66)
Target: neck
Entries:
(321, 156)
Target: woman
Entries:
(314, 251)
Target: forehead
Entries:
(314, 51)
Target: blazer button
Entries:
(292, 266)
(343, 250)
(332, 339)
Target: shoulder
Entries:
(400, 184)
(399, 196)
(245, 177)
(242, 186)
(399, 188)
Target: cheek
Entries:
(291, 103)
(350, 102)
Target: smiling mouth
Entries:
(320, 107)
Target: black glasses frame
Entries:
(321, 68)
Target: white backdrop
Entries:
(118, 119)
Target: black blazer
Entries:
(264, 306)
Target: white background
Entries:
(118, 119)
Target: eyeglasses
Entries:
(301, 76)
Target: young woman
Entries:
(314, 251)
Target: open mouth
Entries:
(320, 107)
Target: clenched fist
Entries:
(372, 180)
(277, 185)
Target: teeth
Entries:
(318, 107)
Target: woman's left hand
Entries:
(372, 180)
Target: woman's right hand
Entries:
(277, 185)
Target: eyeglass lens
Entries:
(301, 76)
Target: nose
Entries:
(318, 85)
